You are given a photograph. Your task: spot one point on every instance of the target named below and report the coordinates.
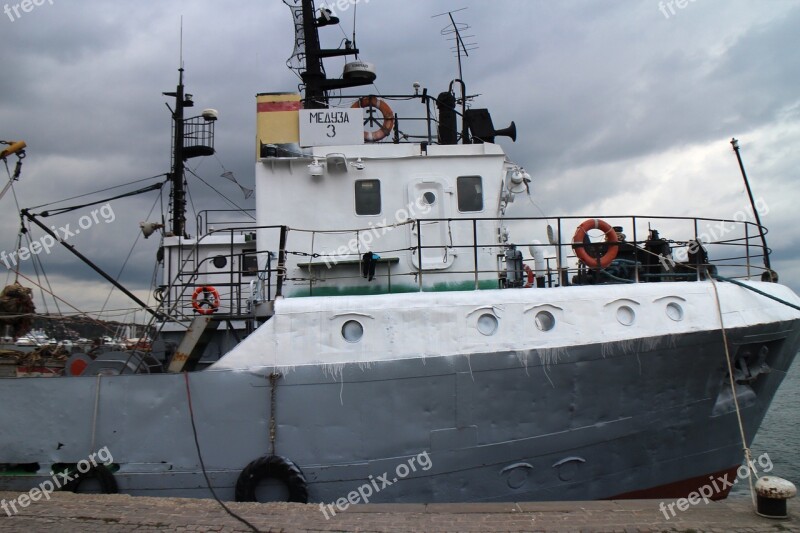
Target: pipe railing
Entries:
(733, 250)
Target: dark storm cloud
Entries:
(592, 86)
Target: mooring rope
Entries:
(747, 452)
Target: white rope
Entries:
(94, 416)
(747, 453)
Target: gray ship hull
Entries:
(594, 421)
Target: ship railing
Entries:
(410, 127)
(253, 281)
(218, 219)
(733, 249)
(198, 137)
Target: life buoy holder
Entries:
(271, 467)
(529, 275)
(205, 306)
(388, 118)
(579, 245)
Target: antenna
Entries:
(355, 8)
(461, 46)
(180, 59)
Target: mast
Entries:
(316, 82)
(178, 194)
(314, 74)
(191, 137)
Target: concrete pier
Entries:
(95, 513)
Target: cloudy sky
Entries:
(622, 106)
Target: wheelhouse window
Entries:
(470, 193)
(368, 197)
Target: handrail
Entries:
(730, 250)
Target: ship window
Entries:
(470, 193)
(352, 331)
(249, 263)
(368, 197)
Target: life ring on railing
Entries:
(529, 275)
(271, 467)
(205, 306)
(578, 243)
(388, 118)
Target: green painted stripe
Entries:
(364, 290)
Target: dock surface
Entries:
(94, 513)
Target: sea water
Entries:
(779, 436)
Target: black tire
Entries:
(108, 485)
(275, 467)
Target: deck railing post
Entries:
(419, 253)
(635, 252)
(699, 245)
(747, 246)
(563, 273)
(281, 263)
(475, 249)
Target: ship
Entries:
(376, 326)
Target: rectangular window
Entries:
(368, 197)
(249, 263)
(470, 193)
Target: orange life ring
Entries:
(198, 305)
(388, 118)
(529, 274)
(611, 239)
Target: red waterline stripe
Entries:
(266, 107)
(681, 489)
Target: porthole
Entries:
(675, 311)
(220, 261)
(352, 331)
(626, 315)
(487, 324)
(429, 197)
(545, 321)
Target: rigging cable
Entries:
(753, 289)
(238, 208)
(103, 325)
(191, 202)
(62, 210)
(34, 259)
(130, 252)
(97, 192)
(21, 223)
(26, 232)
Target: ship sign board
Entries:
(331, 127)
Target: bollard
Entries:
(772, 494)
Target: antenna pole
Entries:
(459, 44)
(735, 144)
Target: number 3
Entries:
(332, 132)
